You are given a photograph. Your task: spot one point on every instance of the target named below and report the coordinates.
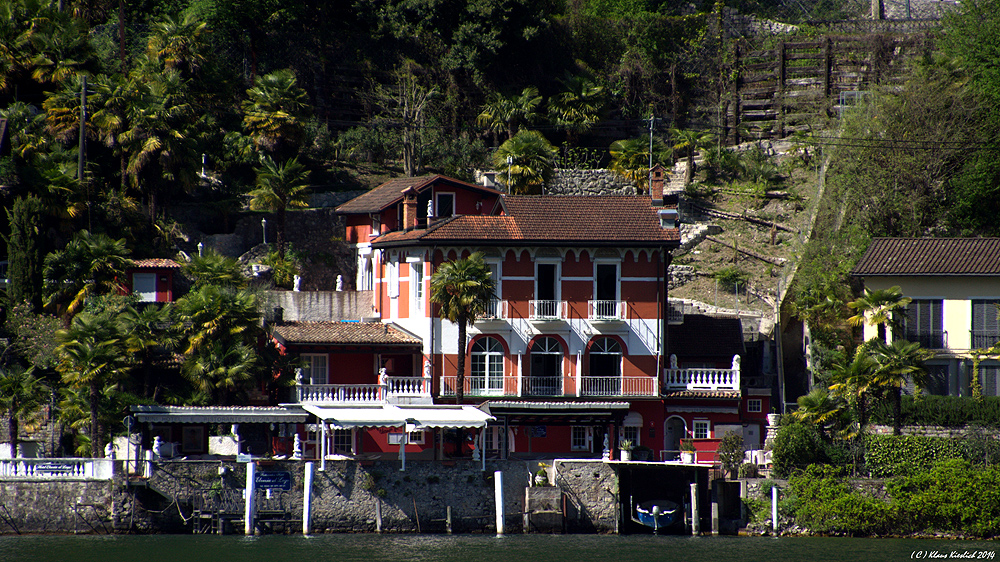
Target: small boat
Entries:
(657, 514)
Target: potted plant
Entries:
(687, 451)
(626, 450)
(542, 475)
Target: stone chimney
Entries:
(656, 184)
(409, 208)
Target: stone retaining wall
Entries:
(69, 506)
(588, 182)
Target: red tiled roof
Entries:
(157, 263)
(930, 256)
(343, 333)
(541, 219)
(391, 192)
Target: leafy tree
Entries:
(630, 159)
(508, 113)
(213, 268)
(823, 410)
(881, 308)
(218, 314)
(855, 382)
(274, 112)
(25, 251)
(32, 336)
(730, 453)
(405, 106)
(280, 186)
(147, 334)
(462, 289)
(89, 265)
(21, 394)
(528, 160)
(91, 357)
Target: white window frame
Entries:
(437, 204)
(618, 277)
(338, 437)
(376, 224)
(755, 405)
(557, 276)
(483, 366)
(392, 275)
(580, 433)
(144, 296)
(417, 284)
(631, 428)
(700, 426)
(308, 376)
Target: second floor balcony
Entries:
(393, 390)
(639, 386)
(606, 311)
(496, 310)
(546, 310)
(676, 378)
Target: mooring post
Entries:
(378, 515)
(716, 493)
(307, 499)
(695, 512)
(248, 506)
(498, 488)
(774, 509)
(447, 519)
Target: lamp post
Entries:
(201, 247)
(263, 227)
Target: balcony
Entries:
(618, 386)
(546, 310)
(496, 311)
(984, 338)
(395, 390)
(702, 379)
(542, 386)
(935, 339)
(606, 311)
(480, 386)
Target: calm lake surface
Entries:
(479, 548)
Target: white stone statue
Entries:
(159, 447)
(430, 210)
(606, 454)
(298, 375)
(427, 368)
(297, 284)
(673, 361)
(297, 448)
(475, 449)
(736, 362)
(109, 451)
(340, 283)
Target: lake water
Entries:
(479, 548)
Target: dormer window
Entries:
(376, 224)
(444, 205)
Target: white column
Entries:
(579, 372)
(322, 446)
(307, 499)
(498, 489)
(248, 511)
(774, 509)
(695, 513)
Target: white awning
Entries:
(218, 414)
(387, 415)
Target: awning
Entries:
(557, 413)
(219, 414)
(388, 415)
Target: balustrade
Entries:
(702, 379)
(57, 469)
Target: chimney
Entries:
(409, 208)
(656, 184)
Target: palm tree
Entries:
(179, 43)
(689, 141)
(578, 107)
(273, 112)
(219, 370)
(21, 394)
(91, 356)
(148, 333)
(896, 365)
(630, 159)
(463, 290)
(854, 382)
(822, 409)
(213, 268)
(529, 161)
(502, 112)
(881, 308)
(91, 264)
(218, 314)
(279, 187)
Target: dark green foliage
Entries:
(799, 445)
(950, 497)
(889, 455)
(946, 411)
(25, 251)
(732, 276)
(825, 502)
(730, 452)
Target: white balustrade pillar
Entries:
(248, 507)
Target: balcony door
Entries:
(487, 367)
(605, 377)
(606, 290)
(546, 367)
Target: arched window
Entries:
(546, 367)
(605, 378)
(487, 366)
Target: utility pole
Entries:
(649, 172)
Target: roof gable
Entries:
(391, 192)
(930, 256)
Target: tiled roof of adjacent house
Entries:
(391, 192)
(930, 256)
(551, 220)
(343, 333)
(157, 263)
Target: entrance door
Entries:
(674, 429)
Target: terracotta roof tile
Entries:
(157, 263)
(930, 256)
(391, 192)
(540, 219)
(343, 333)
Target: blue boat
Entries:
(657, 514)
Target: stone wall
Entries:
(56, 506)
(588, 182)
(321, 306)
(591, 489)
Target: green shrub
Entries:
(825, 502)
(797, 446)
(890, 455)
(950, 497)
(749, 470)
(730, 276)
(947, 411)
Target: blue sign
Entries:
(273, 480)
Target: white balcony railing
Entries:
(618, 386)
(546, 310)
(702, 379)
(480, 386)
(542, 386)
(605, 310)
(394, 387)
(495, 310)
(57, 469)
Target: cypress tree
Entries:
(25, 252)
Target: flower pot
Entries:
(626, 455)
(772, 419)
(687, 457)
(541, 480)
